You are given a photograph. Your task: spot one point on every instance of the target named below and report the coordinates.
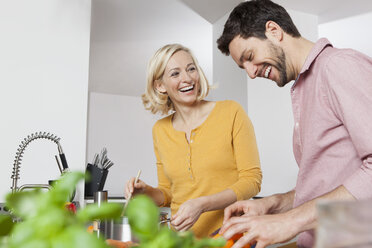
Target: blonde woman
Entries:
(206, 151)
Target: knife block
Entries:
(97, 180)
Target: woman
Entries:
(206, 151)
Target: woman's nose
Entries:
(185, 76)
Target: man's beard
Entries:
(280, 63)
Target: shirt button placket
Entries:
(189, 155)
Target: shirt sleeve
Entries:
(164, 184)
(246, 156)
(351, 99)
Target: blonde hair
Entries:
(156, 101)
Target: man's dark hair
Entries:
(248, 19)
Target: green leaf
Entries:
(47, 223)
(4, 242)
(166, 238)
(34, 243)
(24, 204)
(64, 187)
(55, 220)
(6, 225)
(143, 217)
(207, 242)
(22, 233)
(105, 211)
(74, 236)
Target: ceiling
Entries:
(326, 10)
(125, 33)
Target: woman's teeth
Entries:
(188, 88)
(267, 71)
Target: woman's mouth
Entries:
(187, 88)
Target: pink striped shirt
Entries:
(332, 139)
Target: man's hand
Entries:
(188, 213)
(247, 208)
(263, 230)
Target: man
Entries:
(332, 106)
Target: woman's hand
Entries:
(188, 213)
(132, 188)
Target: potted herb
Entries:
(44, 221)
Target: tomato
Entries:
(71, 207)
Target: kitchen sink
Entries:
(3, 209)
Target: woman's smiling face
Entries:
(181, 79)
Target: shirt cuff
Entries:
(166, 195)
(360, 183)
(245, 191)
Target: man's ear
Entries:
(159, 87)
(274, 31)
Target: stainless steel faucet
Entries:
(18, 158)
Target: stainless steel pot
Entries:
(121, 230)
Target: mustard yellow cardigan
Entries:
(222, 154)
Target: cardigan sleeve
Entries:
(164, 184)
(246, 156)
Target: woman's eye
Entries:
(192, 69)
(174, 74)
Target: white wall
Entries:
(229, 80)
(44, 47)
(270, 110)
(126, 33)
(352, 32)
(124, 127)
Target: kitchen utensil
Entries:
(97, 180)
(99, 197)
(103, 157)
(95, 159)
(214, 233)
(130, 195)
(102, 227)
(108, 164)
(164, 219)
(121, 230)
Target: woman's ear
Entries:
(159, 87)
(274, 31)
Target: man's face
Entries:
(260, 58)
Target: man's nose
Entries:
(251, 69)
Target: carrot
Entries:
(118, 244)
(232, 240)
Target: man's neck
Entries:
(297, 51)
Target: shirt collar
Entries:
(315, 51)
